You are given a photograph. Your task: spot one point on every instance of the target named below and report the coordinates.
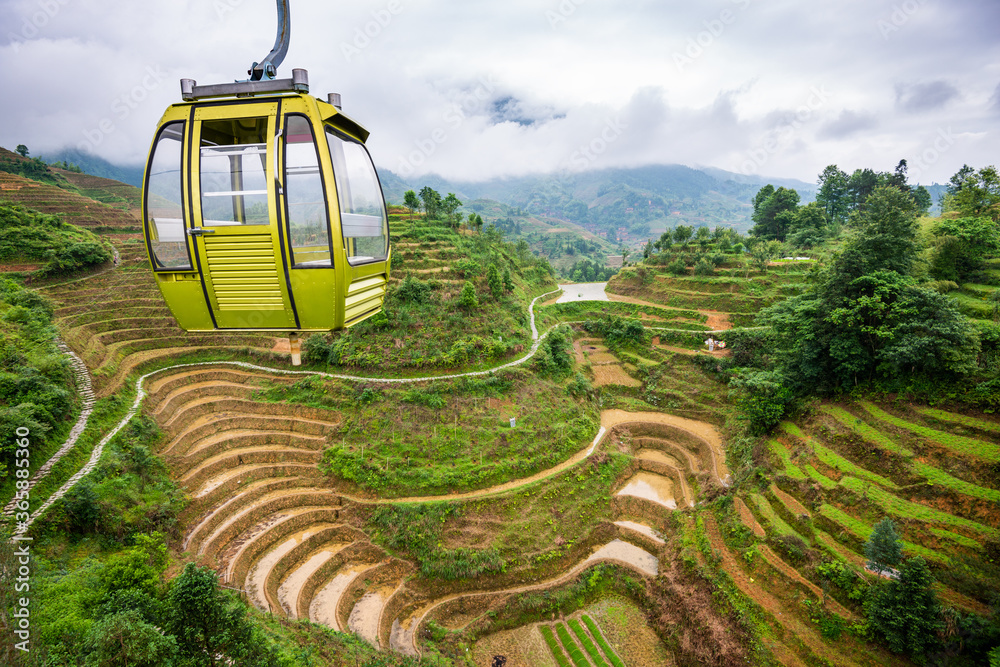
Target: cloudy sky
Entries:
(474, 89)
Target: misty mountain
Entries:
(97, 166)
(627, 205)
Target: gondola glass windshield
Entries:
(362, 208)
(308, 227)
(164, 208)
(233, 172)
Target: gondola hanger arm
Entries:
(268, 68)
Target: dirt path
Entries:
(748, 519)
(787, 570)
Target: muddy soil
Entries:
(656, 488)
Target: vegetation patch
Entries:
(956, 443)
(779, 525)
(454, 435)
(937, 476)
(859, 426)
(964, 420)
(834, 460)
(789, 468)
(896, 506)
(595, 631)
(554, 647)
(27, 235)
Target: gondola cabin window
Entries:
(362, 209)
(308, 227)
(234, 172)
(164, 201)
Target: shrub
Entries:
(677, 267)
(704, 267)
(764, 398)
(413, 290)
(468, 297)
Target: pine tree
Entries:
(508, 282)
(906, 612)
(882, 548)
(493, 280)
(468, 297)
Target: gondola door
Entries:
(235, 223)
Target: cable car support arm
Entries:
(268, 68)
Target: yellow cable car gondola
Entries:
(262, 208)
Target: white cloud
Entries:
(741, 96)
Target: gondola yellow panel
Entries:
(263, 211)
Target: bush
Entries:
(413, 290)
(677, 267)
(580, 386)
(704, 267)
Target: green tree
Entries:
(762, 253)
(432, 201)
(704, 267)
(961, 245)
(862, 184)
(906, 612)
(833, 194)
(683, 234)
(468, 297)
(411, 201)
(508, 282)
(808, 226)
(885, 237)
(21, 150)
(762, 398)
(773, 214)
(703, 235)
(450, 205)
(494, 281)
(976, 193)
(883, 548)
(922, 200)
(211, 628)
(125, 639)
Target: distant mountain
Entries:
(621, 205)
(97, 166)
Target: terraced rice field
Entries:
(75, 209)
(117, 321)
(273, 525)
(927, 469)
(264, 517)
